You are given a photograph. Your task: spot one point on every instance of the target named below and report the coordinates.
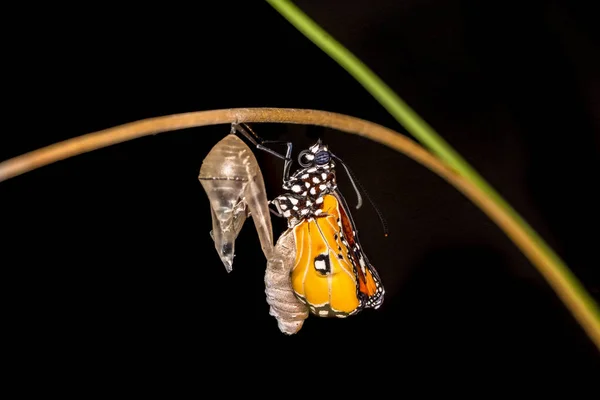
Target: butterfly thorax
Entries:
(306, 189)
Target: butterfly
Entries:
(332, 274)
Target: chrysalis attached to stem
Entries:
(235, 188)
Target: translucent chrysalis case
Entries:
(235, 188)
(233, 182)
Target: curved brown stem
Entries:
(564, 288)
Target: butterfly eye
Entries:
(322, 157)
(306, 158)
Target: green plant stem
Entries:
(414, 124)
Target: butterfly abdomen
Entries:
(289, 311)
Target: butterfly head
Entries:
(317, 155)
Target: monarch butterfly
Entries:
(331, 274)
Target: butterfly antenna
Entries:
(352, 180)
(356, 184)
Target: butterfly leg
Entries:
(275, 212)
(260, 144)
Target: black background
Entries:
(114, 269)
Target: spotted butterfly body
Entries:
(331, 274)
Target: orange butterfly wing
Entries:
(331, 273)
(323, 276)
(368, 278)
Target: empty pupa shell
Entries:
(289, 312)
(232, 180)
